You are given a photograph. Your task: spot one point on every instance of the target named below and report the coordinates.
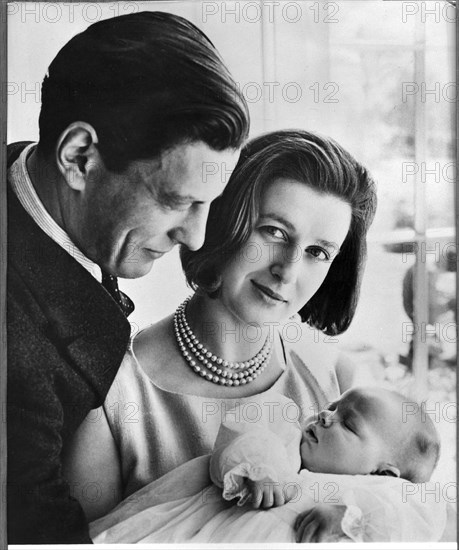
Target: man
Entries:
(134, 111)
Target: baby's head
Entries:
(369, 431)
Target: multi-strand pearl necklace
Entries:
(210, 366)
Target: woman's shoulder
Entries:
(312, 346)
(153, 334)
(312, 357)
(154, 348)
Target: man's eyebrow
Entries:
(171, 197)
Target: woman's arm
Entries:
(91, 464)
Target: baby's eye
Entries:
(318, 252)
(349, 426)
(274, 232)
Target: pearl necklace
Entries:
(210, 366)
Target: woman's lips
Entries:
(268, 292)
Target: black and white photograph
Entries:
(230, 255)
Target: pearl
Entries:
(194, 352)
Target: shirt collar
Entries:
(21, 183)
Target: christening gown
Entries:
(198, 501)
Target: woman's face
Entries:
(288, 255)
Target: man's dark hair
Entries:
(146, 82)
(321, 164)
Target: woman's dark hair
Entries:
(319, 163)
(146, 82)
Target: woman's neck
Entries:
(222, 333)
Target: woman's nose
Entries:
(286, 265)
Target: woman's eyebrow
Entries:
(278, 218)
(291, 227)
(329, 244)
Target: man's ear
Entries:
(75, 151)
(387, 470)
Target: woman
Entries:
(287, 236)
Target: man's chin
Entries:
(134, 270)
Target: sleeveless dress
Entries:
(157, 430)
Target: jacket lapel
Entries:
(82, 320)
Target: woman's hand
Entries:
(320, 524)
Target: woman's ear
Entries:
(76, 148)
(387, 470)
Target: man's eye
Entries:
(318, 252)
(274, 232)
(177, 206)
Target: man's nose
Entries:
(192, 230)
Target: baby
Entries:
(367, 431)
(275, 461)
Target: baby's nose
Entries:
(325, 418)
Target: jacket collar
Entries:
(83, 321)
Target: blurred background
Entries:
(379, 78)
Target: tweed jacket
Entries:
(66, 340)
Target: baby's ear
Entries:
(387, 470)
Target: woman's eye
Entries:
(274, 232)
(318, 252)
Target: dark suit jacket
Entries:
(66, 340)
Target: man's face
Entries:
(126, 221)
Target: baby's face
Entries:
(357, 434)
